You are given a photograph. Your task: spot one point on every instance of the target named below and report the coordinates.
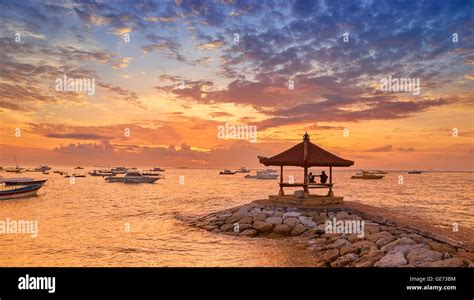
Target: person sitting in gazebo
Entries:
(323, 177)
(311, 177)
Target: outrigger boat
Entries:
(29, 190)
(21, 181)
(366, 175)
(262, 175)
(132, 177)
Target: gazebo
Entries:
(306, 155)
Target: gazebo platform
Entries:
(307, 200)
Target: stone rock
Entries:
(441, 247)
(227, 227)
(371, 228)
(244, 226)
(298, 229)
(209, 227)
(344, 260)
(342, 215)
(307, 221)
(354, 238)
(328, 255)
(447, 256)
(385, 240)
(423, 255)
(317, 242)
(282, 229)
(292, 214)
(267, 212)
(320, 229)
(331, 215)
(255, 210)
(262, 226)
(274, 220)
(319, 219)
(416, 237)
(405, 249)
(278, 214)
(249, 232)
(364, 246)
(392, 260)
(377, 236)
(347, 249)
(235, 217)
(259, 217)
(446, 263)
(400, 241)
(246, 220)
(291, 222)
(338, 244)
(368, 259)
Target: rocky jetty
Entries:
(378, 244)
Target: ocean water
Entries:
(95, 223)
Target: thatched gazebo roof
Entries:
(306, 154)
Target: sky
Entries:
(167, 74)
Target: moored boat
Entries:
(366, 175)
(243, 170)
(262, 175)
(21, 181)
(414, 172)
(26, 191)
(75, 175)
(78, 168)
(226, 172)
(132, 177)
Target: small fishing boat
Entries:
(414, 172)
(41, 169)
(132, 177)
(14, 170)
(243, 170)
(366, 175)
(75, 175)
(102, 173)
(119, 170)
(226, 172)
(262, 175)
(29, 190)
(78, 168)
(21, 181)
(157, 169)
(152, 173)
(379, 172)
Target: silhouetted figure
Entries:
(310, 177)
(323, 177)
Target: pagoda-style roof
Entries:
(306, 154)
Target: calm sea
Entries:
(86, 223)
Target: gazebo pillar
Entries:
(330, 193)
(281, 192)
(305, 188)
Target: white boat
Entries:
(262, 175)
(366, 175)
(132, 177)
(243, 170)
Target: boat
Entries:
(157, 169)
(152, 173)
(78, 168)
(366, 175)
(270, 171)
(119, 170)
(14, 170)
(226, 172)
(41, 169)
(21, 181)
(243, 170)
(75, 175)
(102, 173)
(29, 190)
(262, 175)
(132, 177)
(414, 172)
(379, 172)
